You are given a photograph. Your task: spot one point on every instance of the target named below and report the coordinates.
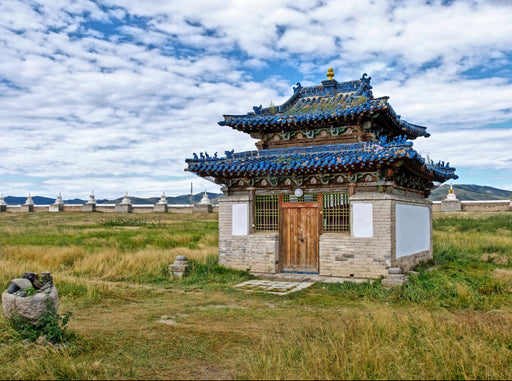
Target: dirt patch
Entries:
(221, 306)
(167, 320)
(503, 274)
(495, 258)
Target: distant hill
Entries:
(465, 192)
(184, 199)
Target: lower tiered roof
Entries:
(318, 159)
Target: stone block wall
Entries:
(409, 262)
(486, 206)
(345, 255)
(341, 254)
(477, 206)
(256, 252)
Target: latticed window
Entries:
(336, 212)
(303, 198)
(266, 212)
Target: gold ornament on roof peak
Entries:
(330, 74)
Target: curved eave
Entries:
(411, 130)
(251, 123)
(439, 173)
(302, 163)
(373, 108)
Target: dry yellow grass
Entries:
(383, 343)
(122, 301)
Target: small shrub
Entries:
(51, 324)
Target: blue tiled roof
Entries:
(320, 103)
(326, 158)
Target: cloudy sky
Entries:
(114, 95)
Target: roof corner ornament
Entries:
(330, 74)
(299, 86)
(257, 109)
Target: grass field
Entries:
(131, 321)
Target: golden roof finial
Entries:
(330, 74)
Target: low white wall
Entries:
(108, 208)
(479, 206)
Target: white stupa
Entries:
(125, 206)
(58, 205)
(92, 200)
(29, 200)
(205, 200)
(451, 194)
(59, 200)
(126, 200)
(450, 203)
(90, 206)
(163, 199)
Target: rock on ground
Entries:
(31, 307)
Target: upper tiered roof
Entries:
(331, 102)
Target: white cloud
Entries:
(464, 148)
(121, 106)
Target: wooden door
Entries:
(299, 233)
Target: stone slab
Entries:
(22, 283)
(273, 287)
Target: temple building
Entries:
(334, 188)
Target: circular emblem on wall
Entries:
(298, 192)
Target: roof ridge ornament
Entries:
(330, 74)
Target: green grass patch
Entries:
(208, 270)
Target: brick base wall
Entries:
(340, 254)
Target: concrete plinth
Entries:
(26, 208)
(177, 269)
(123, 208)
(160, 208)
(3, 205)
(56, 208)
(88, 207)
(395, 277)
(451, 206)
(202, 208)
